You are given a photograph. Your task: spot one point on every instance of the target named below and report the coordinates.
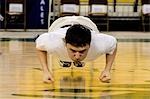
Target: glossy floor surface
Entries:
(21, 74)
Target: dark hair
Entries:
(78, 35)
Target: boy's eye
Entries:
(73, 50)
(82, 51)
(79, 51)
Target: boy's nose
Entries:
(77, 55)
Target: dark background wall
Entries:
(37, 14)
(2, 12)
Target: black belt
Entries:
(66, 26)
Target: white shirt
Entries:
(71, 20)
(53, 43)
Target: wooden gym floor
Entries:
(21, 74)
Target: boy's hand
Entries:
(105, 76)
(48, 77)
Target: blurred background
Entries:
(109, 15)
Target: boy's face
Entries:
(77, 53)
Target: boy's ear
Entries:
(64, 40)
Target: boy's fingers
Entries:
(48, 81)
(105, 79)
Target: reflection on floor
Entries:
(21, 74)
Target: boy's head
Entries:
(78, 39)
(78, 35)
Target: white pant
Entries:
(1, 18)
(70, 20)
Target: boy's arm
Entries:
(105, 75)
(48, 78)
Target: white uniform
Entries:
(70, 20)
(53, 43)
(1, 18)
